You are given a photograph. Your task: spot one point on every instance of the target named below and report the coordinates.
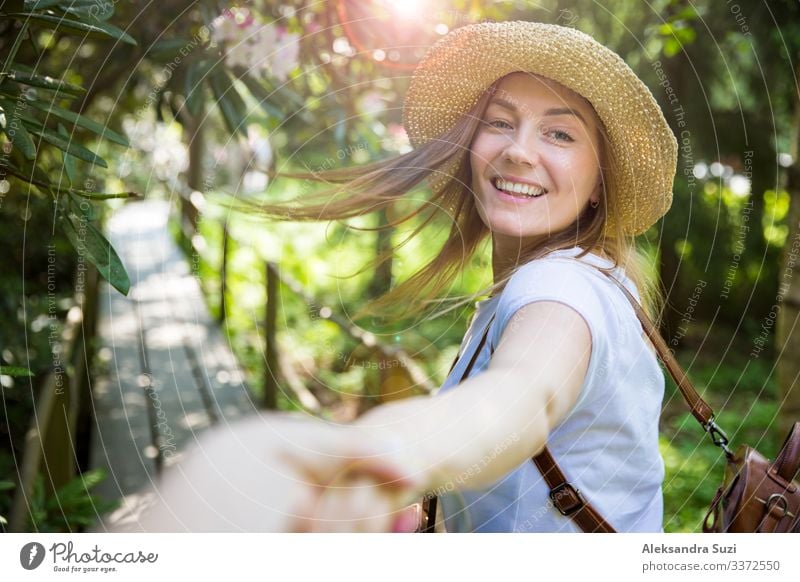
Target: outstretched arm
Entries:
(276, 472)
(497, 419)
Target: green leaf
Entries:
(27, 170)
(86, 209)
(195, 77)
(93, 9)
(90, 242)
(105, 195)
(168, 48)
(81, 121)
(96, 29)
(7, 485)
(16, 131)
(672, 47)
(69, 161)
(115, 32)
(71, 147)
(40, 4)
(30, 173)
(45, 82)
(262, 95)
(234, 111)
(16, 371)
(77, 489)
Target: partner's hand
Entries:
(279, 473)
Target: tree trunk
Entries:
(787, 336)
(382, 280)
(193, 126)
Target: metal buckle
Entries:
(718, 437)
(557, 492)
(781, 503)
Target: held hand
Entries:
(358, 494)
(283, 473)
(359, 485)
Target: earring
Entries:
(594, 203)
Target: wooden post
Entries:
(194, 174)
(49, 445)
(787, 340)
(223, 275)
(271, 349)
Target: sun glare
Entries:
(405, 8)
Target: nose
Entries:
(521, 153)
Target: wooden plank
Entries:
(171, 373)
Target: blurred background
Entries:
(179, 107)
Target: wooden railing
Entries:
(56, 444)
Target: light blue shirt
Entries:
(607, 445)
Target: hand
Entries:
(280, 473)
(356, 495)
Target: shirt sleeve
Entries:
(573, 284)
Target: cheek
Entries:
(481, 151)
(581, 170)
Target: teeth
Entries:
(516, 188)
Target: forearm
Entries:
(472, 435)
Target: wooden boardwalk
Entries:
(166, 370)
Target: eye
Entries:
(561, 135)
(499, 123)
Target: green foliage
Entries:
(743, 392)
(15, 371)
(31, 105)
(71, 508)
(5, 486)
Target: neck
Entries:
(507, 253)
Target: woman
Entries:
(543, 140)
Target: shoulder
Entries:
(574, 283)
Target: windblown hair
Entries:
(371, 187)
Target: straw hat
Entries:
(461, 65)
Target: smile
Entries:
(517, 190)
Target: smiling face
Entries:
(534, 159)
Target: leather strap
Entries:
(699, 407)
(429, 503)
(786, 464)
(567, 499)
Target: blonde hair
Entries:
(377, 185)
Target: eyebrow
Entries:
(552, 111)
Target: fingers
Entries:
(361, 505)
